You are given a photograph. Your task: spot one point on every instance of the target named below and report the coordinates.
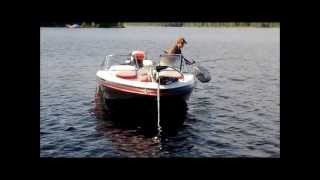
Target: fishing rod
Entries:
(220, 59)
(158, 69)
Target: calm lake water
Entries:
(236, 114)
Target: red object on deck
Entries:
(127, 74)
(139, 55)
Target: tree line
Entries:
(206, 24)
(162, 24)
(84, 24)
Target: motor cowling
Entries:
(138, 55)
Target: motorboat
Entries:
(131, 86)
(134, 77)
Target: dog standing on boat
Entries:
(176, 49)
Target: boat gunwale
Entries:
(107, 76)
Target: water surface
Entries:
(236, 114)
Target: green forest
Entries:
(206, 24)
(163, 24)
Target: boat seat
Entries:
(170, 73)
(127, 74)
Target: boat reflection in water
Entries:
(142, 115)
(133, 132)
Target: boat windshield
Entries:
(174, 60)
(115, 60)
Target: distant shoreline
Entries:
(207, 24)
(167, 24)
